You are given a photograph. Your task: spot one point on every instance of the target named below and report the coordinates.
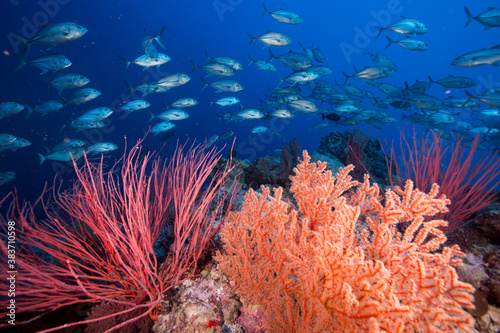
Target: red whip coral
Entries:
(310, 270)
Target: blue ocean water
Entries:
(344, 31)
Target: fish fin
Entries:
(195, 66)
(380, 30)
(251, 60)
(347, 77)
(280, 79)
(209, 58)
(265, 10)
(205, 83)
(21, 63)
(271, 55)
(42, 158)
(158, 36)
(29, 109)
(127, 62)
(431, 81)
(470, 18)
(151, 116)
(252, 39)
(390, 42)
(26, 44)
(129, 87)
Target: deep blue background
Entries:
(220, 27)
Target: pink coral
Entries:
(310, 271)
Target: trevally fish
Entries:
(94, 115)
(8, 109)
(147, 61)
(6, 139)
(230, 62)
(292, 59)
(282, 113)
(272, 39)
(63, 155)
(263, 65)
(102, 147)
(409, 43)
(68, 143)
(489, 18)
(48, 107)
(183, 103)
(135, 105)
(147, 88)
(303, 105)
(481, 57)
(16, 144)
(162, 127)
(283, 16)
(371, 73)
(259, 129)
(85, 125)
(490, 97)
(7, 176)
(81, 96)
(214, 68)
(48, 62)
(226, 135)
(249, 113)
(171, 115)
(226, 101)
(173, 80)
(54, 34)
(223, 85)
(454, 82)
(405, 26)
(68, 81)
(147, 43)
(319, 125)
(300, 77)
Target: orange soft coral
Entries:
(311, 271)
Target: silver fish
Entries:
(184, 103)
(263, 65)
(409, 43)
(272, 39)
(82, 95)
(226, 101)
(171, 115)
(94, 115)
(405, 26)
(135, 105)
(63, 155)
(49, 107)
(283, 16)
(230, 62)
(68, 143)
(214, 68)
(303, 105)
(259, 129)
(7, 176)
(223, 85)
(102, 147)
(147, 61)
(454, 82)
(162, 127)
(147, 43)
(489, 18)
(55, 34)
(292, 59)
(481, 57)
(173, 80)
(68, 81)
(6, 139)
(8, 109)
(48, 62)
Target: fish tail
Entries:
(29, 109)
(251, 60)
(265, 10)
(347, 77)
(195, 66)
(252, 39)
(279, 83)
(127, 62)
(211, 101)
(380, 29)
(26, 43)
(390, 42)
(151, 116)
(130, 88)
(470, 18)
(42, 158)
(205, 83)
(209, 58)
(158, 36)
(21, 63)
(431, 81)
(470, 97)
(271, 55)
(323, 116)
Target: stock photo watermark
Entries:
(48, 10)
(11, 271)
(364, 36)
(222, 7)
